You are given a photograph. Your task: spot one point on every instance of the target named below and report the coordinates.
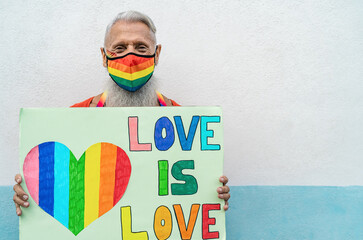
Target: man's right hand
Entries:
(20, 197)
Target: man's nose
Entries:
(130, 49)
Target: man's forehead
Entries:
(123, 31)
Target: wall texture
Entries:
(288, 75)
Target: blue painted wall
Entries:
(9, 223)
(266, 212)
(295, 212)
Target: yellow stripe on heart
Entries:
(92, 184)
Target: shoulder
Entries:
(90, 102)
(169, 102)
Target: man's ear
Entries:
(157, 54)
(104, 59)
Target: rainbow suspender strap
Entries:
(102, 101)
(161, 99)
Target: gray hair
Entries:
(132, 16)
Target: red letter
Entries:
(134, 137)
(209, 221)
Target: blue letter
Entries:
(161, 143)
(205, 133)
(186, 142)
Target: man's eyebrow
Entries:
(141, 43)
(118, 44)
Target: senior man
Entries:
(129, 41)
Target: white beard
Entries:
(145, 96)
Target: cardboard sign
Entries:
(122, 173)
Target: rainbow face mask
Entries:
(131, 71)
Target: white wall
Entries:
(288, 75)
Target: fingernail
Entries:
(25, 197)
(18, 212)
(18, 180)
(222, 178)
(220, 195)
(26, 204)
(219, 190)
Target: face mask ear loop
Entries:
(155, 54)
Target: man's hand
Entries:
(20, 197)
(223, 192)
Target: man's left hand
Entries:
(223, 192)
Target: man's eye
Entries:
(119, 49)
(142, 48)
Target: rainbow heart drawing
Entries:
(76, 193)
